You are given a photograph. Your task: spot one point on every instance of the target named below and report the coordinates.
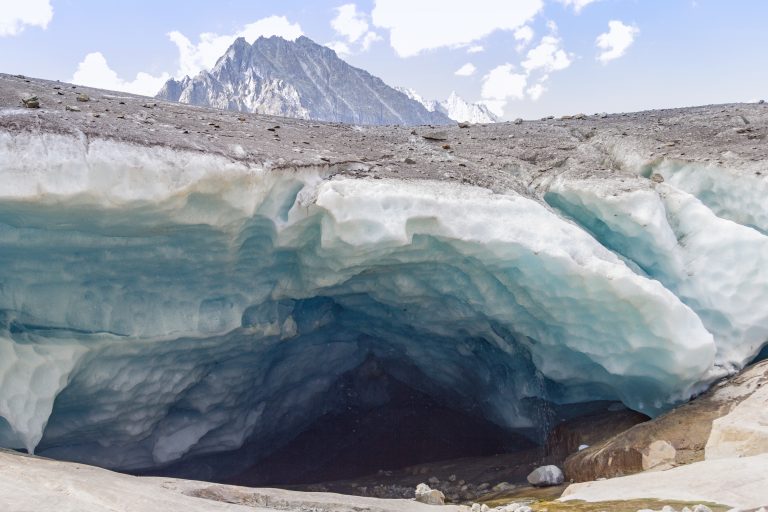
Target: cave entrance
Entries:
(381, 423)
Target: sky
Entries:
(522, 58)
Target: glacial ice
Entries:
(159, 305)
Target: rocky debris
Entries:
(509, 507)
(657, 178)
(82, 97)
(71, 108)
(518, 121)
(668, 508)
(465, 125)
(425, 494)
(31, 102)
(602, 115)
(677, 437)
(761, 102)
(546, 476)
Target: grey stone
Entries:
(545, 476)
(425, 494)
(31, 102)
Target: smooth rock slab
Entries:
(34, 484)
(736, 482)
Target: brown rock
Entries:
(675, 438)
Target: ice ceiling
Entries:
(159, 306)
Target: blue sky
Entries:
(524, 58)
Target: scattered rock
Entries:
(518, 121)
(761, 102)
(546, 476)
(435, 136)
(425, 494)
(603, 115)
(31, 102)
(410, 160)
(583, 447)
(433, 480)
(446, 146)
(83, 97)
(464, 125)
(657, 178)
(72, 108)
(452, 478)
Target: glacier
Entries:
(171, 300)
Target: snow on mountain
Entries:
(455, 107)
(297, 79)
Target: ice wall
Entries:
(159, 305)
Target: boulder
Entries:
(425, 494)
(546, 476)
(743, 431)
(681, 435)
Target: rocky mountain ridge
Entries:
(298, 79)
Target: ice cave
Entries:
(174, 312)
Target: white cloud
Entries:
(94, 71)
(417, 26)
(502, 84)
(368, 39)
(16, 15)
(615, 42)
(475, 48)
(342, 49)
(524, 35)
(547, 56)
(467, 69)
(349, 23)
(203, 55)
(535, 91)
(352, 26)
(577, 5)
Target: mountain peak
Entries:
(455, 107)
(298, 79)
